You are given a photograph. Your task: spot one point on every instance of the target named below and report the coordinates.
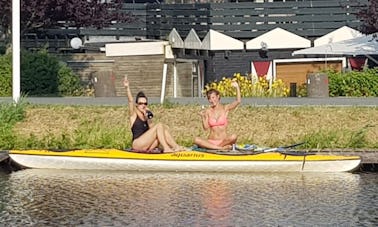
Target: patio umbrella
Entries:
(363, 45)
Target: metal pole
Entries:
(163, 83)
(16, 72)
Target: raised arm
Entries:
(129, 96)
(235, 103)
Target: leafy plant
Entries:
(10, 114)
(369, 17)
(321, 139)
(302, 90)
(69, 84)
(354, 83)
(2, 48)
(250, 86)
(358, 139)
(39, 73)
(6, 75)
(42, 74)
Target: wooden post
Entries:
(174, 79)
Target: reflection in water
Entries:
(56, 197)
(217, 201)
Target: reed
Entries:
(66, 127)
(10, 114)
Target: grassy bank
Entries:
(43, 126)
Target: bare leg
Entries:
(162, 139)
(154, 145)
(153, 136)
(171, 141)
(204, 143)
(229, 140)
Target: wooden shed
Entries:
(144, 63)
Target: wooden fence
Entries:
(243, 20)
(248, 20)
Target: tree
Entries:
(42, 14)
(369, 17)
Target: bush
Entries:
(2, 49)
(39, 73)
(354, 83)
(250, 86)
(43, 75)
(69, 83)
(10, 114)
(6, 75)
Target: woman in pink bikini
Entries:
(215, 119)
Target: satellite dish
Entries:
(76, 43)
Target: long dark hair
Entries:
(140, 95)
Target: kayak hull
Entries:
(188, 161)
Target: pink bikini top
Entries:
(222, 121)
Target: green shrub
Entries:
(69, 83)
(354, 83)
(302, 90)
(10, 114)
(43, 75)
(2, 49)
(6, 75)
(39, 73)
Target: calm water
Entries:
(87, 198)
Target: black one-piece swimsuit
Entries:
(139, 127)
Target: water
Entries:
(88, 198)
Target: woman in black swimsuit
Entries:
(146, 135)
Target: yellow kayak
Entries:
(190, 161)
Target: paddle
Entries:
(282, 148)
(253, 149)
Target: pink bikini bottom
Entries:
(215, 142)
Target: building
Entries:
(241, 20)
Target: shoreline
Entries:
(369, 156)
(286, 102)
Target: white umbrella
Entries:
(363, 45)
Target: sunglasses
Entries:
(142, 103)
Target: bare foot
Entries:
(180, 148)
(227, 147)
(168, 150)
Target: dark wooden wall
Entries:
(246, 20)
(243, 20)
(225, 63)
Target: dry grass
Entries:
(267, 126)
